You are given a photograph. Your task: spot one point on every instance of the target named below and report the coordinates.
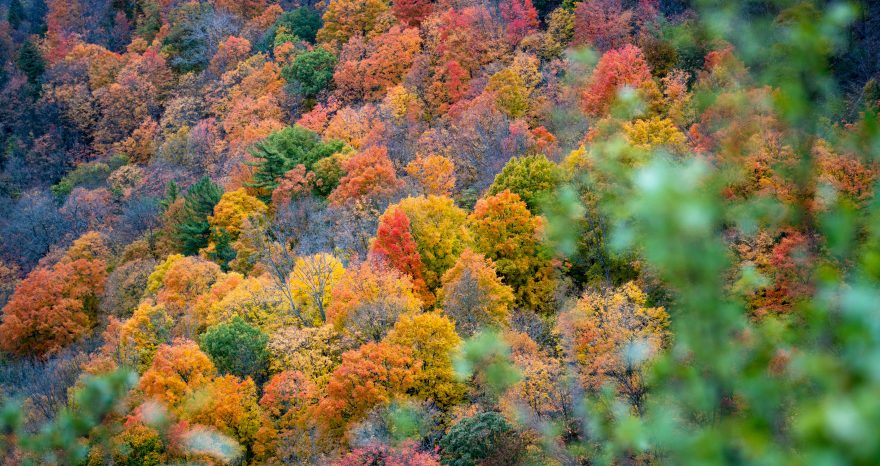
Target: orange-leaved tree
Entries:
(434, 174)
(369, 177)
(54, 307)
(368, 299)
(373, 375)
(229, 404)
(611, 335)
(178, 370)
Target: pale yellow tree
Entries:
(314, 351)
(311, 281)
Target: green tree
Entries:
(237, 348)
(171, 193)
(283, 150)
(579, 229)
(311, 72)
(222, 253)
(186, 44)
(303, 22)
(532, 177)
(194, 230)
(30, 61)
(485, 438)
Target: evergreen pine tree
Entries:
(172, 191)
(198, 204)
(283, 150)
(30, 61)
(222, 253)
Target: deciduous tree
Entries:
(314, 351)
(344, 19)
(653, 133)
(370, 177)
(434, 174)
(229, 54)
(141, 335)
(369, 298)
(508, 234)
(611, 335)
(372, 376)
(311, 283)
(521, 18)
(303, 22)
(617, 68)
(439, 228)
(379, 453)
(412, 12)
(230, 405)
(288, 396)
(233, 209)
(253, 299)
(237, 348)
(177, 372)
(367, 71)
(511, 93)
(433, 340)
(52, 308)
(533, 178)
(395, 245)
(473, 294)
(602, 24)
(311, 72)
(182, 283)
(235, 212)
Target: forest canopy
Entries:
(425, 232)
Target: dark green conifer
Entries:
(194, 230)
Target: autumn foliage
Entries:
(369, 298)
(54, 307)
(369, 175)
(612, 335)
(373, 375)
(617, 69)
(417, 232)
(395, 245)
(508, 234)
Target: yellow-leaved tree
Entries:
(311, 282)
(433, 340)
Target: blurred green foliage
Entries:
(795, 388)
(63, 441)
